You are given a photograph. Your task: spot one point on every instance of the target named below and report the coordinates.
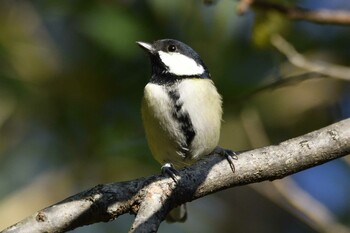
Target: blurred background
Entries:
(71, 81)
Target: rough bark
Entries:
(151, 198)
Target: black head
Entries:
(172, 60)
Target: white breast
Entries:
(201, 101)
(163, 133)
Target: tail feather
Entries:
(178, 214)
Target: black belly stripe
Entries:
(184, 120)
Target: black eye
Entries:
(171, 48)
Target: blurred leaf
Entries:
(268, 23)
(28, 48)
(114, 29)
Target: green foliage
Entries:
(114, 29)
(267, 23)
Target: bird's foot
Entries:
(170, 170)
(228, 154)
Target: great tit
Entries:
(181, 109)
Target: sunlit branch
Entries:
(151, 198)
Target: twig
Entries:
(308, 208)
(107, 202)
(286, 193)
(341, 17)
(298, 60)
(313, 69)
(278, 82)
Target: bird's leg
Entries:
(170, 170)
(229, 155)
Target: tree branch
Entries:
(341, 17)
(151, 198)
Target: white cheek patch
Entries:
(180, 64)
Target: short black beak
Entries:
(146, 46)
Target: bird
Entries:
(181, 110)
